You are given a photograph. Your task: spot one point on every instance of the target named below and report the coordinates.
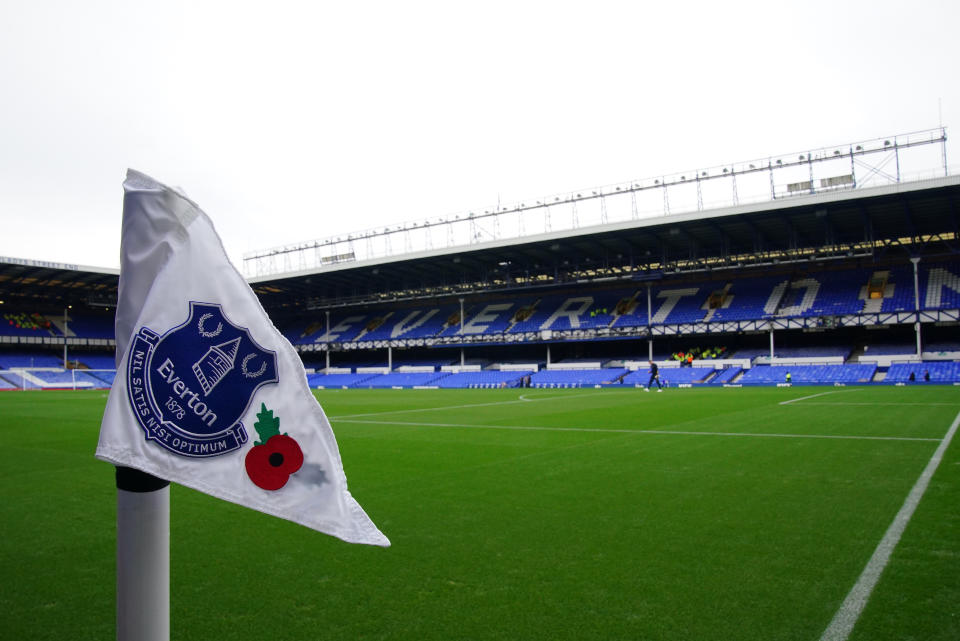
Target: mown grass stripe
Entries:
(614, 430)
(522, 399)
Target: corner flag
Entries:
(208, 393)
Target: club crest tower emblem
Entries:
(190, 387)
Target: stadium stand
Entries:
(95, 361)
(505, 319)
(672, 376)
(31, 324)
(773, 374)
(338, 380)
(946, 348)
(576, 377)
(483, 379)
(726, 376)
(79, 324)
(11, 360)
(882, 349)
(84, 325)
(15, 380)
(821, 351)
(797, 295)
(940, 372)
(98, 379)
(59, 379)
(399, 379)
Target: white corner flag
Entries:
(208, 393)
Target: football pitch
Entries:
(576, 514)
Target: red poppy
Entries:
(270, 465)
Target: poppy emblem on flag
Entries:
(190, 387)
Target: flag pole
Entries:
(143, 556)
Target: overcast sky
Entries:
(290, 121)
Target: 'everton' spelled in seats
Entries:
(799, 294)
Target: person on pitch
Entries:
(654, 376)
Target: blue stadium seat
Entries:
(940, 372)
(826, 374)
(576, 377)
(483, 379)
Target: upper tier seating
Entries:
(888, 349)
(85, 325)
(80, 324)
(942, 347)
(810, 352)
(801, 294)
(28, 324)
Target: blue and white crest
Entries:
(189, 387)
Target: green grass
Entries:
(566, 514)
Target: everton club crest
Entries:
(189, 387)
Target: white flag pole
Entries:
(143, 556)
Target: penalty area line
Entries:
(846, 617)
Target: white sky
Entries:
(291, 121)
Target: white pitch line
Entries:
(613, 430)
(844, 403)
(848, 614)
(803, 398)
